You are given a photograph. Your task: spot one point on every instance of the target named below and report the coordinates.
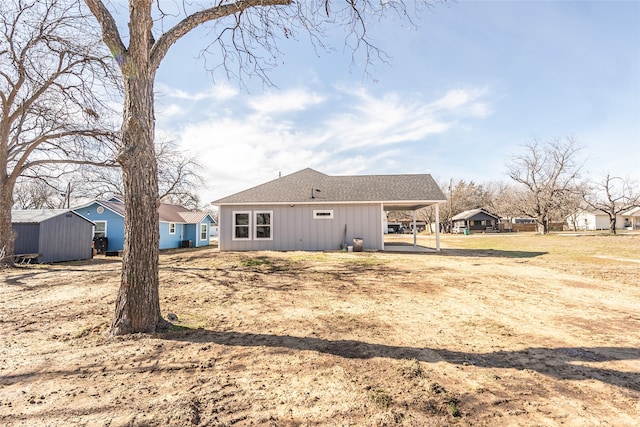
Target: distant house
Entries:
(53, 235)
(311, 211)
(475, 220)
(594, 220)
(179, 227)
(631, 218)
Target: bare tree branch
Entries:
(548, 174)
(55, 93)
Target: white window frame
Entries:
(105, 228)
(203, 227)
(233, 229)
(172, 228)
(322, 214)
(256, 225)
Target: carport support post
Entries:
(437, 228)
(415, 232)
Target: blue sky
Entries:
(459, 95)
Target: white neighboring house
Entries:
(631, 218)
(595, 220)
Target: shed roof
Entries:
(36, 216)
(308, 186)
(195, 217)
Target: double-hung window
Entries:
(172, 228)
(263, 225)
(100, 229)
(242, 225)
(203, 232)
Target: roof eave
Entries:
(337, 202)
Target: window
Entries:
(172, 228)
(322, 214)
(204, 235)
(263, 225)
(241, 225)
(100, 229)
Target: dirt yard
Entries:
(493, 331)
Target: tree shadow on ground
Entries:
(491, 253)
(562, 363)
(397, 247)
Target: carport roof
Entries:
(308, 186)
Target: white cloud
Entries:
(282, 102)
(241, 148)
(220, 92)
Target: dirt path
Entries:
(311, 339)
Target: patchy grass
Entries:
(494, 330)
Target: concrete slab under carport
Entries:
(407, 248)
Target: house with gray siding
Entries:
(475, 220)
(55, 235)
(311, 211)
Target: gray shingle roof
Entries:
(35, 216)
(395, 191)
(471, 213)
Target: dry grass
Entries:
(495, 330)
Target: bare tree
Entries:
(179, 178)
(36, 194)
(462, 196)
(51, 109)
(546, 174)
(246, 34)
(572, 204)
(612, 195)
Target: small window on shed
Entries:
(323, 214)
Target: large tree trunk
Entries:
(138, 301)
(7, 237)
(612, 224)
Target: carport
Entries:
(413, 206)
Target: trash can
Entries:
(466, 231)
(357, 244)
(100, 244)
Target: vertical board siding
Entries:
(26, 238)
(294, 228)
(65, 237)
